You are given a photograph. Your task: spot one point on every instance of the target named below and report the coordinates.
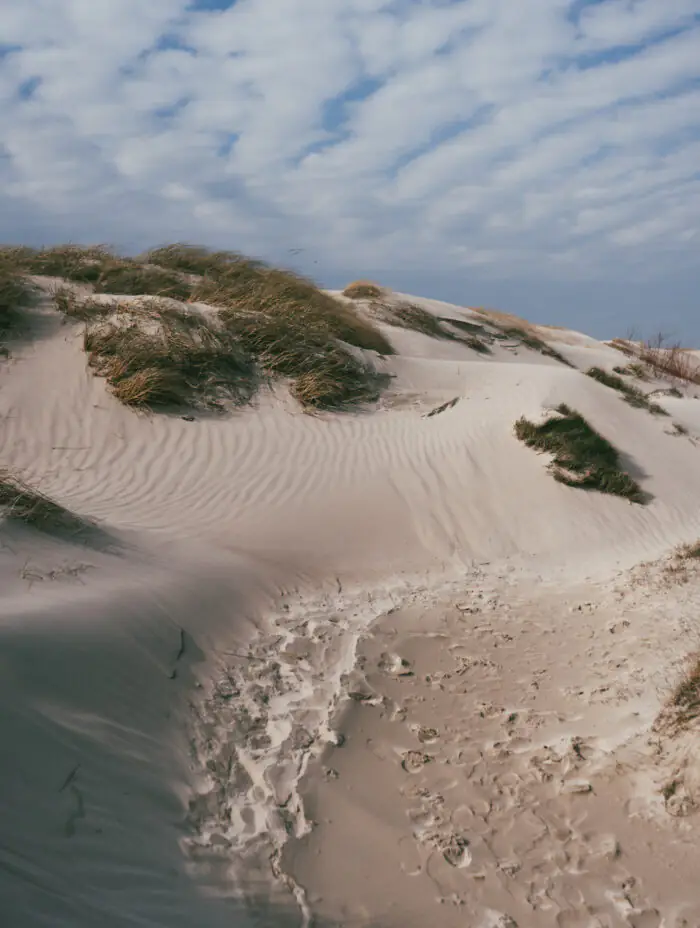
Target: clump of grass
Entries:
(414, 317)
(16, 292)
(632, 370)
(623, 345)
(582, 457)
(684, 704)
(168, 360)
(22, 503)
(81, 309)
(630, 394)
(520, 330)
(133, 279)
(291, 302)
(363, 290)
(689, 552)
(79, 263)
(679, 429)
(192, 259)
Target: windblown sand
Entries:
(372, 669)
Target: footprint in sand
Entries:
(413, 761)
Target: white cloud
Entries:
(542, 138)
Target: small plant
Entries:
(688, 552)
(685, 699)
(22, 503)
(631, 395)
(363, 290)
(582, 457)
(633, 370)
(679, 429)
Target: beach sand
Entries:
(372, 669)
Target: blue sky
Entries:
(540, 156)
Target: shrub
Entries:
(582, 457)
(630, 394)
(670, 360)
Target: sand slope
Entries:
(164, 689)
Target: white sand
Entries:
(164, 690)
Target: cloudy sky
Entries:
(541, 156)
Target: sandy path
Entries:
(488, 779)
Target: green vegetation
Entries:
(582, 458)
(261, 322)
(630, 394)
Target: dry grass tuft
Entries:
(192, 259)
(159, 358)
(635, 369)
(582, 457)
(79, 263)
(363, 290)
(630, 394)
(688, 552)
(684, 705)
(521, 330)
(414, 317)
(132, 279)
(23, 503)
(669, 360)
(79, 308)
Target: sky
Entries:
(536, 156)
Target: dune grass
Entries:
(631, 394)
(635, 369)
(417, 319)
(683, 706)
(22, 503)
(155, 356)
(582, 457)
(522, 331)
(363, 290)
(79, 263)
(16, 293)
(261, 322)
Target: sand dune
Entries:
(371, 668)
